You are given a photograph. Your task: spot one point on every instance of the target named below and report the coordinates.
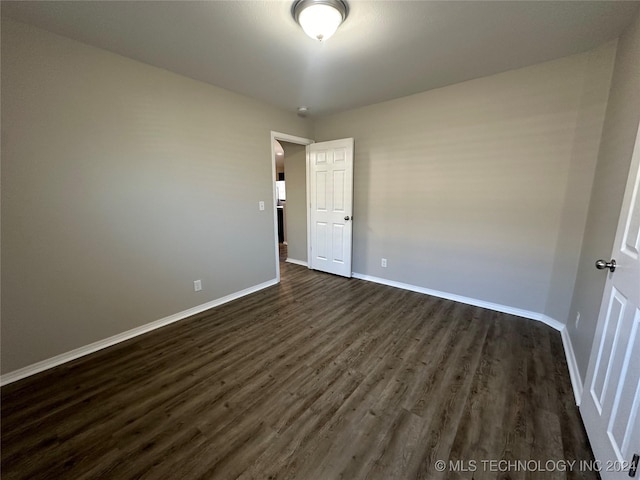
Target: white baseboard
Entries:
(574, 373)
(458, 298)
(296, 262)
(552, 322)
(121, 337)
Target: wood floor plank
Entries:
(320, 377)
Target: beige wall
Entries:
(463, 189)
(122, 184)
(295, 168)
(618, 139)
(579, 179)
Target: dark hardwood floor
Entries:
(320, 377)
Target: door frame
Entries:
(285, 137)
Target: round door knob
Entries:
(602, 264)
(347, 218)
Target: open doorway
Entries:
(289, 170)
(291, 199)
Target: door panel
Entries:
(338, 191)
(610, 410)
(321, 191)
(338, 240)
(625, 408)
(631, 242)
(321, 240)
(331, 197)
(607, 348)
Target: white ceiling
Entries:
(384, 50)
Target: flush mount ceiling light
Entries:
(319, 18)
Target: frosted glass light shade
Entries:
(320, 18)
(320, 21)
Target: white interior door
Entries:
(331, 206)
(610, 408)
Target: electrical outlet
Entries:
(261, 205)
(383, 263)
(577, 319)
(197, 285)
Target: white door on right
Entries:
(331, 206)
(611, 404)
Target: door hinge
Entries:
(634, 465)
